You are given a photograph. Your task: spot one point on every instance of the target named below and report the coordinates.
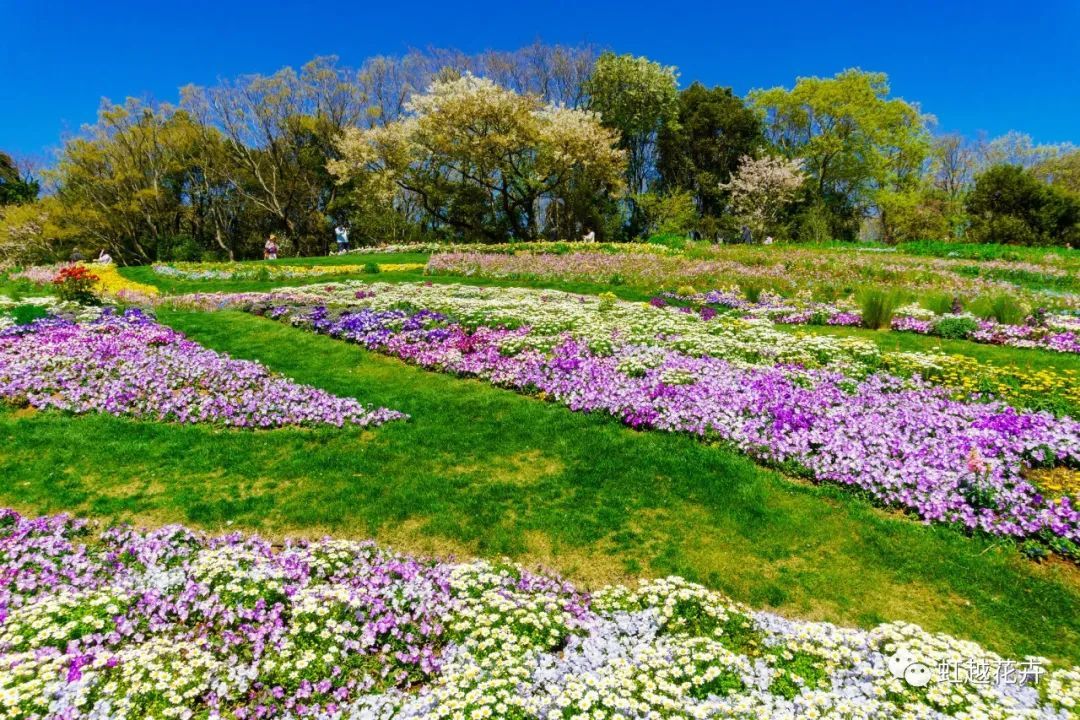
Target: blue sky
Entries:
(992, 65)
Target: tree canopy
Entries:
(485, 162)
(698, 152)
(15, 186)
(854, 140)
(546, 141)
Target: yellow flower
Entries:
(112, 284)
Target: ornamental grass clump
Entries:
(1001, 308)
(878, 307)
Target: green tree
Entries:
(31, 233)
(1017, 148)
(671, 213)
(1062, 171)
(122, 182)
(713, 130)
(15, 186)
(1010, 205)
(635, 97)
(854, 140)
(920, 213)
(280, 132)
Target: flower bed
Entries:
(789, 270)
(25, 310)
(109, 282)
(600, 321)
(251, 271)
(903, 442)
(127, 624)
(906, 444)
(130, 365)
(541, 247)
(1057, 332)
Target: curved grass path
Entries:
(486, 471)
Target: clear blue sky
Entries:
(990, 65)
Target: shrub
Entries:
(76, 284)
(813, 226)
(878, 307)
(371, 268)
(955, 328)
(26, 314)
(669, 215)
(670, 240)
(181, 248)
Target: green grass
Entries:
(479, 470)
(989, 251)
(18, 289)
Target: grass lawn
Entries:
(479, 470)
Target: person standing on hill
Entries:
(270, 249)
(747, 238)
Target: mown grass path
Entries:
(484, 471)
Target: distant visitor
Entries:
(341, 234)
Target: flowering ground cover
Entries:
(790, 269)
(512, 248)
(907, 446)
(905, 443)
(598, 322)
(130, 365)
(482, 471)
(22, 311)
(123, 623)
(251, 271)
(1056, 332)
(532, 500)
(1052, 388)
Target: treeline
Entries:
(543, 142)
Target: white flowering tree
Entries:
(762, 187)
(482, 160)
